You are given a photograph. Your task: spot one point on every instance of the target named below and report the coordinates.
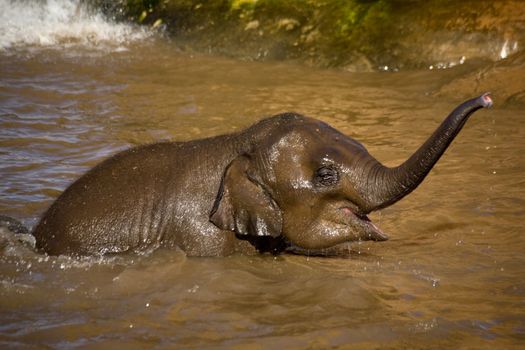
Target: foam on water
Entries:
(61, 22)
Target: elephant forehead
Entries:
(290, 148)
(293, 156)
(287, 160)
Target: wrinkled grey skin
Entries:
(287, 183)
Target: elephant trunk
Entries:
(386, 186)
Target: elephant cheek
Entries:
(325, 233)
(316, 234)
(299, 228)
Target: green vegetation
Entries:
(321, 32)
(353, 34)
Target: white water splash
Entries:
(61, 22)
(508, 48)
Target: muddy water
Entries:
(450, 277)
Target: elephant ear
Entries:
(242, 204)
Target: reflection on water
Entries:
(450, 277)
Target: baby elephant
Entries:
(287, 183)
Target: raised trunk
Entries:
(386, 186)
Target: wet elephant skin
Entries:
(287, 183)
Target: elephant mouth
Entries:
(371, 231)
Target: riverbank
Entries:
(355, 35)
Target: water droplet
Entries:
(504, 50)
(193, 289)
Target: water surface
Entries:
(450, 277)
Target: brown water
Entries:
(452, 275)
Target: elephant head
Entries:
(313, 186)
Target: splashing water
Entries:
(61, 23)
(508, 48)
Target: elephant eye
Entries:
(326, 176)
